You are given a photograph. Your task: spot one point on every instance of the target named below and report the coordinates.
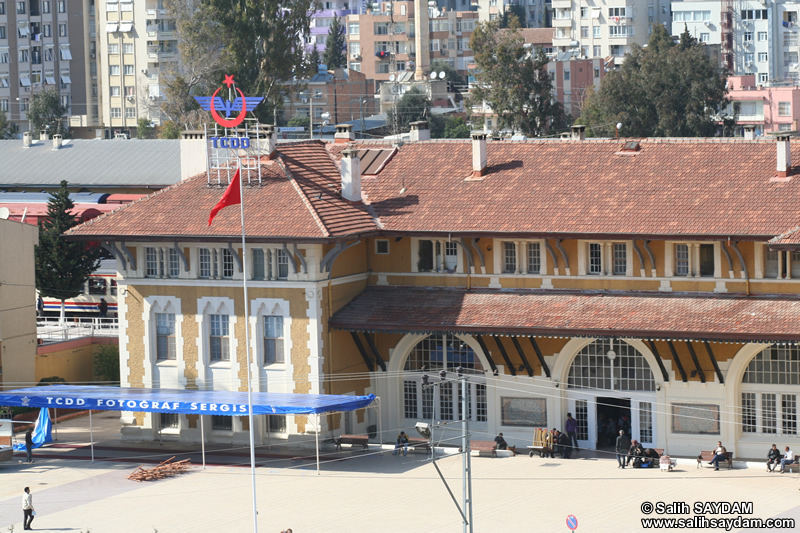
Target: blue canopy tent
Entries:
(185, 401)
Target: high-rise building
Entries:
(133, 42)
(37, 40)
(606, 28)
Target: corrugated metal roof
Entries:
(117, 163)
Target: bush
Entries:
(106, 365)
(52, 379)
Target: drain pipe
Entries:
(735, 246)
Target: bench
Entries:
(705, 457)
(483, 446)
(792, 467)
(417, 442)
(353, 440)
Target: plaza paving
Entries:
(360, 492)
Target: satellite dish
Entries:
(433, 75)
(391, 77)
(4, 213)
(441, 75)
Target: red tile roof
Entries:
(484, 311)
(298, 199)
(669, 188)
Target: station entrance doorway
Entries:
(613, 414)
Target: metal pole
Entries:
(203, 441)
(380, 424)
(247, 349)
(55, 421)
(316, 437)
(91, 435)
(467, 476)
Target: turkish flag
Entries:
(232, 196)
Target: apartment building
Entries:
(572, 78)
(606, 28)
(384, 42)
(340, 94)
(37, 42)
(322, 20)
(762, 109)
(133, 42)
(536, 11)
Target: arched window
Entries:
(442, 351)
(611, 364)
(768, 405)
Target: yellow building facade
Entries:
(598, 278)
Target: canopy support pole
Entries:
(55, 421)
(316, 438)
(203, 441)
(380, 424)
(91, 435)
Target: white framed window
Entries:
(151, 262)
(620, 252)
(509, 257)
(681, 259)
(113, 70)
(705, 37)
(227, 264)
(273, 340)
(62, 30)
(62, 6)
(353, 28)
(113, 48)
(762, 57)
(534, 258)
(127, 48)
(381, 246)
(771, 263)
(438, 255)
(595, 258)
(165, 337)
(784, 109)
(128, 70)
(114, 91)
(596, 31)
(204, 256)
(628, 371)
(769, 396)
(219, 338)
(762, 36)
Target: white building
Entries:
(37, 38)
(607, 27)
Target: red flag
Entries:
(232, 196)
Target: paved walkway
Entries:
(363, 492)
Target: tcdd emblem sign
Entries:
(241, 104)
(572, 522)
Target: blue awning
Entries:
(196, 402)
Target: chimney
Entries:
(43, 136)
(578, 132)
(56, 141)
(784, 156)
(265, 141)
(27, 139)
(351, 175)
(749, 133)
(420, 131)
(478, 154)
(422, 39)
(344, 134)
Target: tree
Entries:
(143, 128)
(7, 128)
(169, 130)
(314, 61)
(335, 46)
(106, 365)
(514, 81)
(512, 12)
(62, 266)
(260, 39)
(663, 90)
(46, 111)
(413, 106)
(456, 128)
(298, 121)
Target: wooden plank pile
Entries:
(163, 470)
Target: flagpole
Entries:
(247, 349)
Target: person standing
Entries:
(29, 444)
(571, 426)
(622, 447)
(39, 307)
(27, 508)
(103, 307)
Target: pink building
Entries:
(768, 109)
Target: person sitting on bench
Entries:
(788, 458)
(773, 458)
(401, 442)
(719, 455)
(501, 442)
(635, 451)
(565, 445)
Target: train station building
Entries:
(649, 280)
